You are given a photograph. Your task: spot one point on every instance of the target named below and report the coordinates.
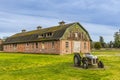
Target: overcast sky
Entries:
(99, 17)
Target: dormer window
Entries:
(40, 36)
(49, 34)
(45, 35)
(27, 44)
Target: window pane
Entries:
(67, 44)
(53, 44)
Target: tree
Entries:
(97, 45)
(117, 39)
(111, 44)
(102, 42)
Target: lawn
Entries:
(17, 66)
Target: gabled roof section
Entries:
(45, 34)
(31, 36)
(84, 30)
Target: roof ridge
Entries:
(44, 30)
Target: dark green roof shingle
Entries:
(30, 36)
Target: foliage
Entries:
(111, 44)
(16, 66)
(102, 42)
(117, 39)
(97, 45)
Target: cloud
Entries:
(100, 12)
(97, 30)
(95, 15)
(13, 23)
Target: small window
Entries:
(40, 36)
(82, 35)
(43, 35)
(69, 35)
(14, 45)
(27, 44)
(85, 45)
(53, 44)
(50, 34)
(32, 45)
(76, 35)
(10, 46)
(67, 44)
(43, 45)
(36, 45)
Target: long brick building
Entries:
(60, 39)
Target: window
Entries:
(53, 44)
(40, 36)
(43, 35)
(27, 44)
(36, 45)
(32, 45)
(49, 34)
(69, 35)
(82, 35)
(14, 45)
(43, 45)
(76, 34)
(84, 45)
(10, 45)
(67, 44)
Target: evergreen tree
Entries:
(117, 39)
(102, 42)
(111, 44)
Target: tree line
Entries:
(111, 44)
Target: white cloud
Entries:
(14, 23)
(27, 14)
(97, 30)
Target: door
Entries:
(76, 46)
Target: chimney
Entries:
(61, 23)
(39, 27)
(23, 30)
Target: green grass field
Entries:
(16, 66)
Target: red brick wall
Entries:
(87, 49)
(58, 48)
(31, 47)
(64, 50)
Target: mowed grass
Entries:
(17, 66)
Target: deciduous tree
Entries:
(97, 45)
